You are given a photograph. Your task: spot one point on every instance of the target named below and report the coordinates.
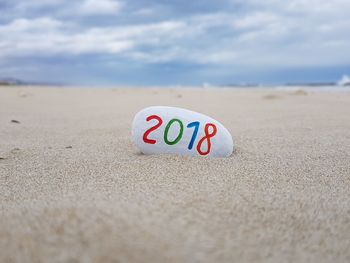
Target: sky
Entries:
(170, 43)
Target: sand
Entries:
(73, 188)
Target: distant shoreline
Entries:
(314, 88)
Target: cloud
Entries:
(46, 36)
(256, 20)
(100, 7)
(23, 4)
(233, 33)
(261, 37)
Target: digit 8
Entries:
(207, 137)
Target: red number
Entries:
(206, 137)
(153, 128)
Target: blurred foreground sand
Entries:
(73, 187)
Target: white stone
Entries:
(172, 140)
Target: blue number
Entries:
(194, 124)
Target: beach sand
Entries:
(73, 188)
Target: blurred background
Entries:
(174, 43)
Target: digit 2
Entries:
(153, 128)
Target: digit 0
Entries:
(153, 128)
(178, 138)
(207, 137)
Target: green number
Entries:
(167, 130)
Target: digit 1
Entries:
(194, 124)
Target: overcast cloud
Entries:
(174, 42)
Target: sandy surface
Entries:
(73, 188)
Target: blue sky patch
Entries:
(112, 42)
